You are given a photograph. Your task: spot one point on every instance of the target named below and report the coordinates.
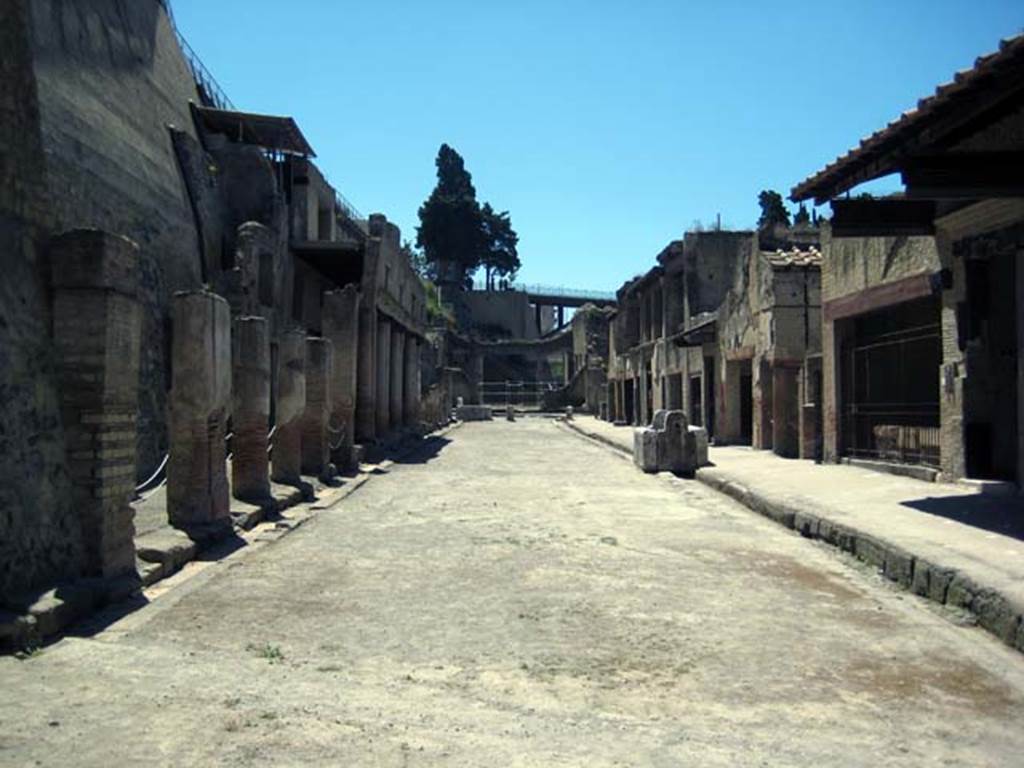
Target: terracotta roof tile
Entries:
(794, 258)
(834, 176)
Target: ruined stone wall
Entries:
(399, 291)
(111, 79)
(711, 261)
(852, 264)
(741, 326)
(509, 311)
(590, 329)
(40, 537)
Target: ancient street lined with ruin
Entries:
(515, 590)
(285, 483)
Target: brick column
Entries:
(97, 330)
(412, 386)
(383, 416)
(197, 483)
(286, 459)
(397, 376)
(341, 326)
(250, 415)
(319, 363)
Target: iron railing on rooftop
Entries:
(212, 92)
(346, 208)
(206, 83)
(523, 394)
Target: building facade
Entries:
(727, 333)
(923, 292)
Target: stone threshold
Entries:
(164, 552)
(915, 471)
(995, 611)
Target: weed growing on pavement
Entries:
(271, 653)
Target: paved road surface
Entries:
(524, 598)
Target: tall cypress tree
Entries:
(773, 209)
(451, 222)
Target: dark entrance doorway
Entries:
(709, 385)
(989, 330)
(627, 401)
(746, 402)
(696, 405)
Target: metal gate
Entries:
(522, 394)
(891, 396)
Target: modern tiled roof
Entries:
(794, 258)
(875, 155)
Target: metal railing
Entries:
(549, 290)
(882, 437)
(159, 477)
(891, 408)
(346, 208)
(521, 394)
(206, 83)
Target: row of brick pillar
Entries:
(221, 367)
(388, 382)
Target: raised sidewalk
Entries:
(950, 543)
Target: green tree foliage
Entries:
(450, 220)
(418, 261)
(801, 216)
(499, 256)
(773, 210)
(457, 235)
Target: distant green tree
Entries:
(418, 261)
(451, 222)
(802, 216)
(773, 210)
(499, 256)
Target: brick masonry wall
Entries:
(851, 264)
(39, 534)
(111, 79)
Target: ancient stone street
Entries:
(516, 595)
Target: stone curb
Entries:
(597, 438)
(162, 553)
(997, 613)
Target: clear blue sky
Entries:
(605, 128)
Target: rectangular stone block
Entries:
(473, 413)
